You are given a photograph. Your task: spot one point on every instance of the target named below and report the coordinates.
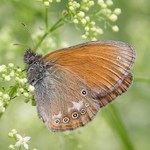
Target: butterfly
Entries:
(73, 84)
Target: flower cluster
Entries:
(20, 141)
(47, 2)
(16, 76)
(92, 16)
(83, 14)
(109, 14)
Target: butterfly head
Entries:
(36, 67)
(31, 57)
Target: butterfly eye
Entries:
(75, 115)
(83, 111)
(84, 92)
(65, 119)
(32, 81)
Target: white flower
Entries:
(22, 141)
(26, 94)
(31, 88)
(19, 70)
(100, 2)
(113, 17)
(109, 2)
(2, 109)
(6, 97)
(12, 73)
(83, 21)
(115, 28)
(87, 28)
(93, 23)
(14, 131)
(71, 8)
(93, 39)
(46, 3)
(81, 14)
(1, 94)
(84, 36)
(7, 78)
(75, 21)
(11, 147)
(11, 65)
(22, 80)
(99, 30)
(117, 11)
(2, 68)
(87, 18)
(21, 90)
(91, 3)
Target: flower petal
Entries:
(27, 138)
(19, 136)
(25, 145)
(18, 143)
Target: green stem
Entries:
(58, 24)
(138, 79)
(46, 18)
(114, 120)
(40, 41)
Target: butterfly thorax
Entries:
(35, 73)
(36, 67)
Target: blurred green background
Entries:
(129, 113)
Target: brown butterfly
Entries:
(72, 84)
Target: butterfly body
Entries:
(72, 84)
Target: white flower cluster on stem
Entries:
(16, 75)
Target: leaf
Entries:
(12, 91)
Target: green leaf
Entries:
(12, 91)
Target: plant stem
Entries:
(114, 120)
(146, 80)
(46, 18)
(58, 24)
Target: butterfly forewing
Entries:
(103, 64)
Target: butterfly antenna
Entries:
(25, 26)
(23, 45)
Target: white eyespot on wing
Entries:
(56, 122)
(76, 105)
(75, 115)
(59, 115)
(87, 104)
(119, 58)
(83, 111)
(84, 92)
(66, 120)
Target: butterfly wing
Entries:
(64, 101)
(103, 65)
(82, 79)
(123, 87)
